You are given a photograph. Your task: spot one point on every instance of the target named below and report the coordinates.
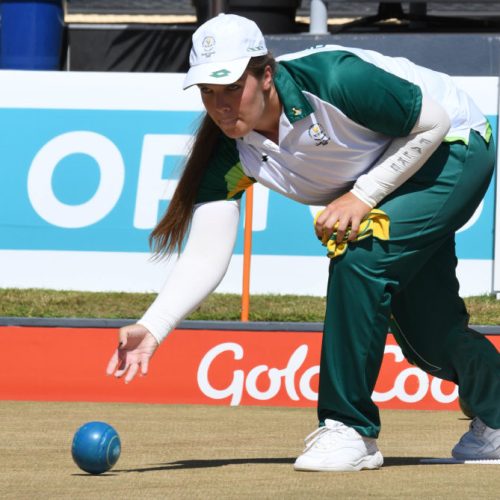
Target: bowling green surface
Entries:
(191, 451)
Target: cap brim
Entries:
(217, 73)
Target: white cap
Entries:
(222, 48)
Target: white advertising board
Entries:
(89, 162)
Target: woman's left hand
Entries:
(347, 211)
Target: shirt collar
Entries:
(295, 105)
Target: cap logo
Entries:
(208, 44)
(220, 73)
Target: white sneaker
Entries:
(480, 442)
(336, 447)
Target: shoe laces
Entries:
(324, 436)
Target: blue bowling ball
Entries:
(96, 447)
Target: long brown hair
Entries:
(168, 235)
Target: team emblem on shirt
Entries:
(319, 136)
(208, 45)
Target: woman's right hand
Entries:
(135, 349)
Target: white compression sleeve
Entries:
(199, 269)
(405, 155)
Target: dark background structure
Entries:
(464, 34)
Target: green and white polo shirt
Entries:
(341, 109)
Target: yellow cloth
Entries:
(376, 223)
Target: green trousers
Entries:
(411, 277)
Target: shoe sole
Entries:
(461, 454)
(370, 462)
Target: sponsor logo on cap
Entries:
(220, 73)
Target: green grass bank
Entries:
(34, 303)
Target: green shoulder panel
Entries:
(224, 178)
(367, 94)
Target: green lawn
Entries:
(31, 303)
